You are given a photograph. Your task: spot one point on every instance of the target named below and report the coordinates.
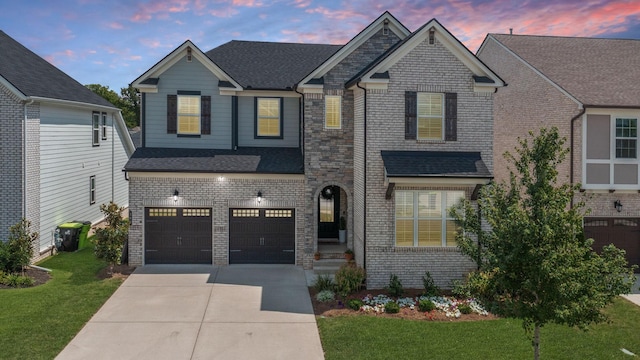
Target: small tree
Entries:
(534, 262)
(110, 240)
(17, 252)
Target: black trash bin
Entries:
(67, 236)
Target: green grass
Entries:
(368, 337)
(38, 322)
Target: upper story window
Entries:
(104, 126)
(95, 129)
(422, 218)
(268, 123)
(332, 112)
(92, 190)
(611, 151)
(430, 116)
(189, 114)
(626, 138)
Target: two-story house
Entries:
(253, 152)
(62, 147)
(588, 89)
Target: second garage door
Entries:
(262, 236)
(624, 233)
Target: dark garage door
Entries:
(178, 236)
(624, 233)
(262, 236)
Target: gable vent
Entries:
(188, 54)
(385, 27)
(432, 37)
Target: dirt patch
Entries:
(119, 272)
(39, 276)
(339, 308)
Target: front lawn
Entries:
(38, 322)
(369, 337)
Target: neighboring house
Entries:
(253, 151)
(62, 147)
(588, 89)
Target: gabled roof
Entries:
(258, 160)
(453, 164)
(386, 18)
(400, 49)
(269, 65)
(26, 73)
(149, 80)
(596, 72)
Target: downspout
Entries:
(24, 159)
(364, 218)
(113, 160)
(573, 120)
(301, 116)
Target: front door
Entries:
(329, 213)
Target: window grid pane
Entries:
(326, 210)
(268, 117)
(430, 116)
(332, 112)
(188, 114)
(626, 138)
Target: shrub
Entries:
(16, 253)
(325, 295)
(426, 305)
(392, 307)
(430, 288)
(395, 286)
(349, 279)
(465, 309)
(354, 304)
(460, 289)
(15, 280)
(324, 282)
(110, 240)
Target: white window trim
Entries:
(92, 189)
(103, 125)
(442, 119)
(612, 161)
(416, 216)
(95, 128)
(280, 119)
(339, 112)
(198, 116)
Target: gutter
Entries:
(573, 120)
(364, 155)
(302, 123)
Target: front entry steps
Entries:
(331, 258)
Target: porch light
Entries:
(618, 205)
(259, 197)
(175, 195)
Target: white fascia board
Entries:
(437, 181)
(269, 93)
(219, 176)
(147, 88)
(4, 82)
(451, 43)
(122, 129)
(356, 42)
(175, 56)
(74, 104)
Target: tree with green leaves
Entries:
(534, 261)
(128, 102)
(16, 253)
(109, 241)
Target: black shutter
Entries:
(451, 117)
(205, 115)
(410, 116)
(172, 114)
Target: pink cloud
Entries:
(301, 3)
(159, 9)
(116, 25)
(224, 12)
(247, 3)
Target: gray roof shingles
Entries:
(597, 72)
(244, 160)
(269, 65)
(34, 76)
(434, 164)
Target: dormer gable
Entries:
(148, 82)
(313, 82)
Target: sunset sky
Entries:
(112, 42)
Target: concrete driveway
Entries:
(203, 312)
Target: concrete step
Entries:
(328, 266)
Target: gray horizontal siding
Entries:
(246, 123)
(67, 160)
(189, 76)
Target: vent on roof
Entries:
(188, 54)
(432, 37)
(385, 27)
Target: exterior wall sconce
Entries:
(618, 205)
(175, 195)
(259, 198)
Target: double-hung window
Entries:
(422, 218)
(104, 126)
(430, 116)
(92, 189)
(268, 118)
(332, 112)
(626, 138)
(189, 114)
(95, 129)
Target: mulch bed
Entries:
(41, 277)
(338, 308)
